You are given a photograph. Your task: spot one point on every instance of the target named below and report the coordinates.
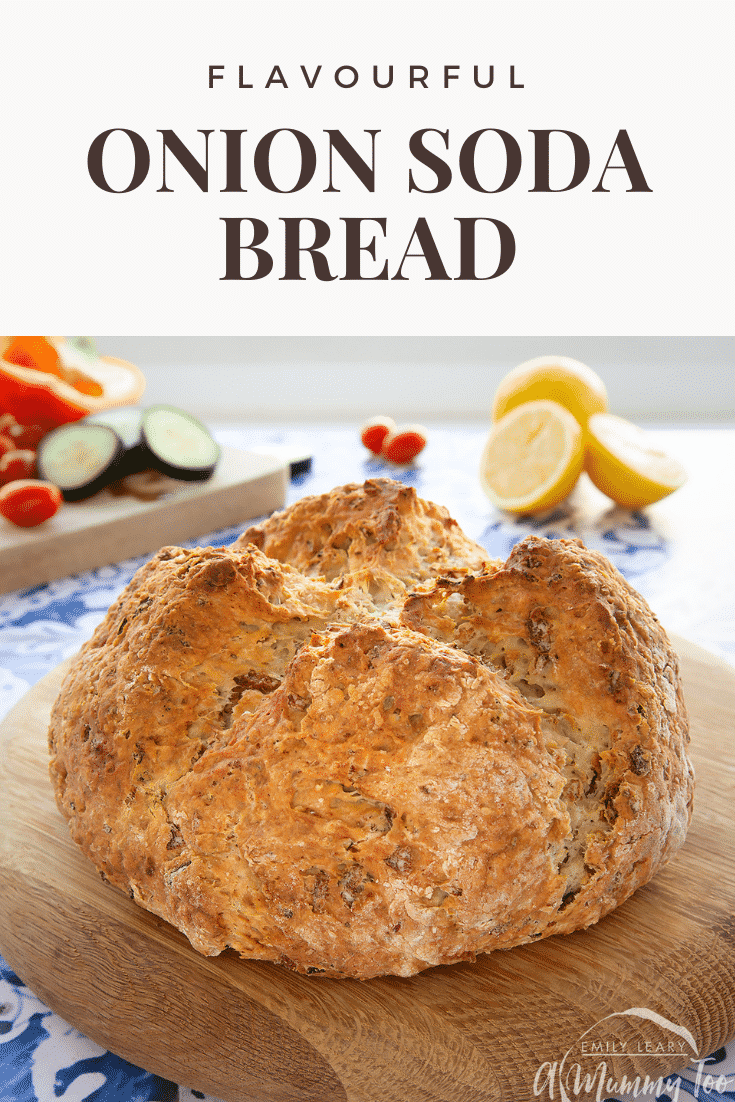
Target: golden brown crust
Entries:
(581, 645)
(382, 769)
(381, 524)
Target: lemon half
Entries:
(533, 457)
(622, 462)
(554, 378)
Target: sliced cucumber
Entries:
(80, 458)
(178, 444)
(84, 456)
(127, 421)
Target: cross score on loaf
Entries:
(352, 745)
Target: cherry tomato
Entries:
(403, 445)
(15, 464)
(28, 502)
(374, 432)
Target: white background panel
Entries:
(586, 263)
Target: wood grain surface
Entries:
(251, 1032)
(107, 528)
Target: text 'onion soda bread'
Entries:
(353, 745)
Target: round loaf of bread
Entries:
(353, 745)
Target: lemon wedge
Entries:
(533, 457)
(623, 464)
(554, 378)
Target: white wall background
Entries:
(673, 379)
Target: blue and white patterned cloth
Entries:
(677, 553)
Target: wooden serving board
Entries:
(251, 1032)
(108, 528)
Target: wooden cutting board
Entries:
(251, 1032)
(109, 528)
